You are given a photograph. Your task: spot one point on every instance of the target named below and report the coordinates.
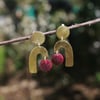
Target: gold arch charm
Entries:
(33, 57)
(68, 51)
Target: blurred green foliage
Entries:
(49, 14)
(2, 59)
(2, 98)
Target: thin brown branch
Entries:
(50, 32)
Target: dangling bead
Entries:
(57, 59)
(45, 65)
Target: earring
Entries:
(38, 38)
(57, 58)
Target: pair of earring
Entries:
(38, 39)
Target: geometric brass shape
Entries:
(38, 38)
(68, 51)
(62, 32)
(33, 57)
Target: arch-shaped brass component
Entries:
(33, 57)
(68, 51)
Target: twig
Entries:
(50, 32)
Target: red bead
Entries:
(45, 65)
(57, 59)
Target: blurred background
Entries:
(21, 17)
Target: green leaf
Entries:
(98, 76)
(2, 59)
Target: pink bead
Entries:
(45, 65)
(57, 59)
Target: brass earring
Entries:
(38, 38)
(57, 58)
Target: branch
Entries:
(50, 32)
